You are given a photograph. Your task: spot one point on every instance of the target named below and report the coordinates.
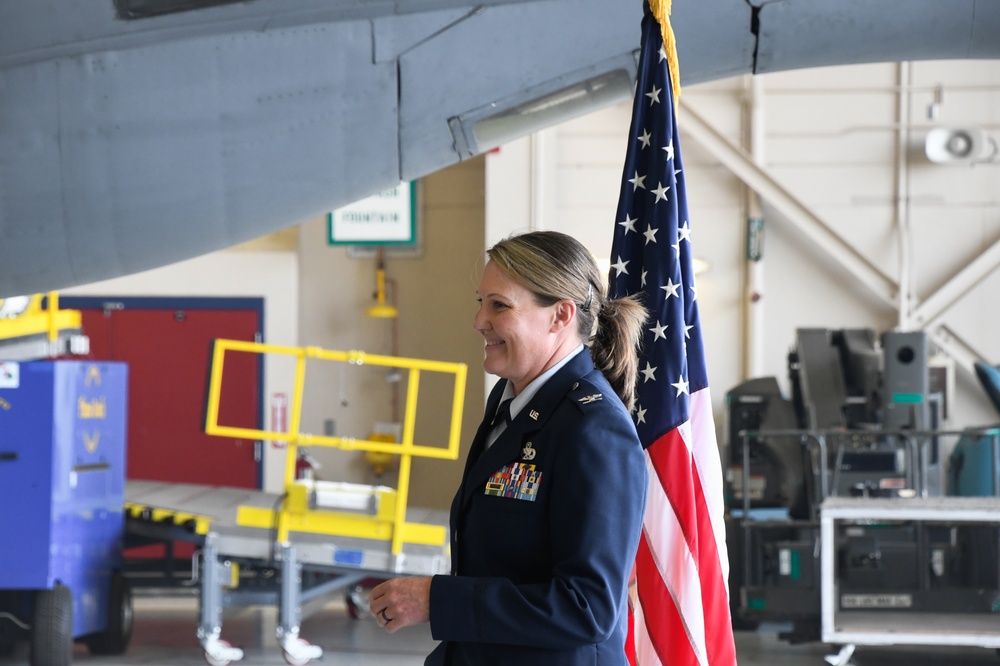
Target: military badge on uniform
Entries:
(587, 399)
(515, 481)
(528, 452)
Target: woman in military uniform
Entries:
(547, 519)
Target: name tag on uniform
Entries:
(517, 480)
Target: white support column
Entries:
(539, 179)
(902, 195)
(754, 303)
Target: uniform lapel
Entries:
(479, 441)
(530, 419)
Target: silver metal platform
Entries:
(887, 626)
(209, 514)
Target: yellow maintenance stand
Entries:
(33, 327)
(352, 530)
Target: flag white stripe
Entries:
(709, 466)
(675, 562)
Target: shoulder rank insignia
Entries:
(587, 399)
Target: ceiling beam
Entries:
(933, 308)
(758, 179)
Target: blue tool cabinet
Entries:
(62, 488)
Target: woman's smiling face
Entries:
(521, 335)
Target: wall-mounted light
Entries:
(484, 128)
(959, 145)
(133, 9)
(700, 266)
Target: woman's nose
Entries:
(479, 322)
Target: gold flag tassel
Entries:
(661, 11)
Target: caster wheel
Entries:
(212, 661)
(357, 603)
(293, 661)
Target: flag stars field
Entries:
(637, 181)
(649, 372)
(670, 288)
(684, 232)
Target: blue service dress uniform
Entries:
(544, 530)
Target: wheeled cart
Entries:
(240, 564)
(62, 471)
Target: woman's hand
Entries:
(401, 602)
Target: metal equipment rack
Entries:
(317, 537)
(885, 627)
(873, 616)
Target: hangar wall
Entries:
(266, 268)
(830, 137)
(435, 294)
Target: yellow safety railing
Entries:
(36, 319)
(400, 530)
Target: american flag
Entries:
(680, 612)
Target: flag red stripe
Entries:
(678, 475)
(672, 461)
(664, 626)
(630, 643)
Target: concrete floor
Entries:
(164, 633)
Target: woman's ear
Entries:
(564, 315)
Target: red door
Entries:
(167, 345)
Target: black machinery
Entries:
(862, 421)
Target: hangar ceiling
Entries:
(130, 143)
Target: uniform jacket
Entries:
(544, 531)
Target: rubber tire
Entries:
(118, 630)
(52, 627)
